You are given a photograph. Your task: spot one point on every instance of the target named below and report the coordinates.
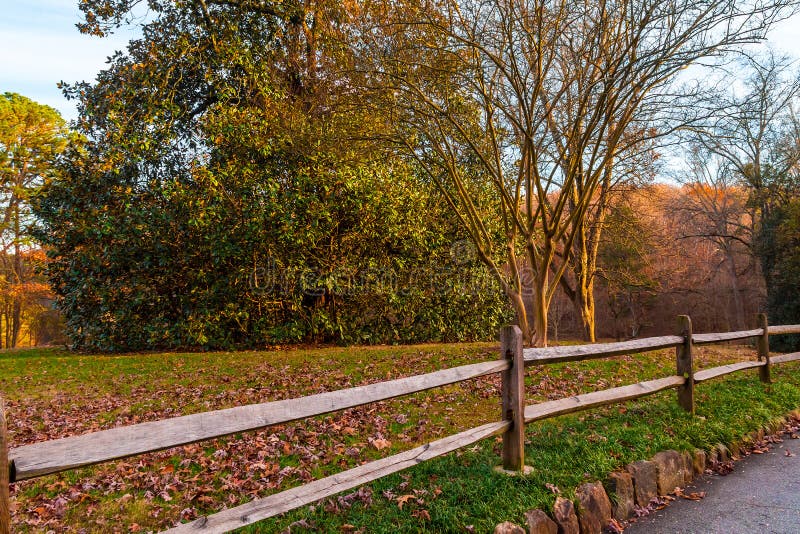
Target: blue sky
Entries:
(40, 46)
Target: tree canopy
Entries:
(526, 113)
(322, 142)
(32, 136)
(228, 194)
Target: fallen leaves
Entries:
(693, 496)
(401, 500)
(380, 443)
(422, 514)
(185, 482)
(553, 489)
(614, 527)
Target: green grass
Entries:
(53, 393)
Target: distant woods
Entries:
(276, 172)
(31, 138)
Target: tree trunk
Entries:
(583, 295)
(16, 314)
(518, 304)
(7, 315)
(540, 309)
(15, 322)
(585, 309)
(737, 297)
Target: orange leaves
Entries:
(381, 443)
(693, 496)
(404, 499)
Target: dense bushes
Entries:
(779, 251)
(230, 193)
(234, 257)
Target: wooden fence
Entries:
(38, 459)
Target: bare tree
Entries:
(623, 175)
(520, 110)
(714, 207)
(755, 125)
(754, 143)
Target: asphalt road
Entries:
(760, 496)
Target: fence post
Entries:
(685, 366)
(513, 393)
(764, 372)
(5, 500)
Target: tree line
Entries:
(250, 172)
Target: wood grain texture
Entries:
(577, 403)
(5, 502)
(784, 329)
(685, 364)
(279, 503)
(571, 353)
(722, 370)
(513, 395)
(764, 372)
(784, 358)
(68, 453)
(704, 339)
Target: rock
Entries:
(645, 484)
(688, 470)
(735, 450)
(594, 508)
(508, 527)
(540, 523)
(669, 467)
(723, 454)
(565, 517)
(699, 462)
(620, 488)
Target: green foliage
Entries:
(229, 196)
(31, 138)
(241, 260)
(458, 490)
(31, 135)
(779, 250)
(625, 270)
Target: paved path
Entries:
(760, 496)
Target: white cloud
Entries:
(786, 36)
(33, 57)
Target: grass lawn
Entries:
(53, 393)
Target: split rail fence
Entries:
(39, 459)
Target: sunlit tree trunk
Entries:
(541, 307)
(16, 312)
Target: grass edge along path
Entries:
(55, 393)
(461, 492)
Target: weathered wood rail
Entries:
(38, 459)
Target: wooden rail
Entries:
(705, 339)
(39, 459)
(290, 499)
(573, 353)
(546, 410)
(783, 358)
(784, 329)
(47, 457)
(722, 370)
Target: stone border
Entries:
(643, 486)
